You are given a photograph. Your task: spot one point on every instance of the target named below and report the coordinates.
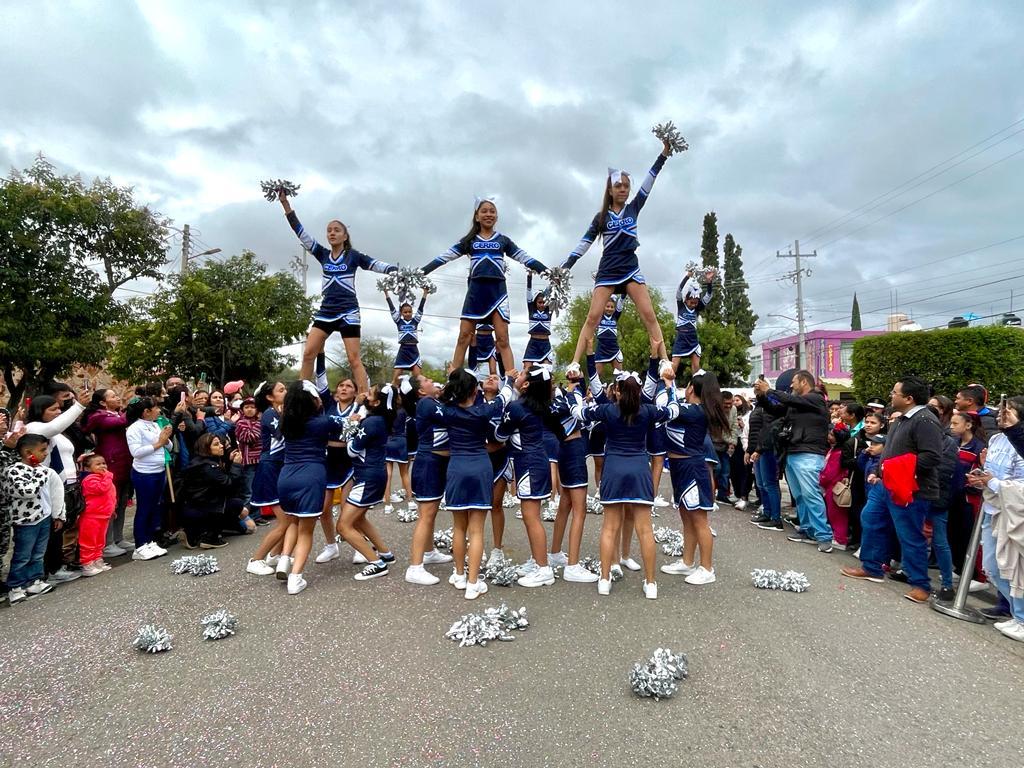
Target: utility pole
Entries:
(797, 277)
(186, 246)
(300, 268)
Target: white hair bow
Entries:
(541, 372)
(389, 392)
(262, 384)
(623, 375)
(405, 385)
(616, 174)
(480, 201)
(310, 388)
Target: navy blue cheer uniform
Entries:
(685, 342)
(626, 478)
(497, 448)
(339, 307)
(397, 449)
(538, 350)
(619, 264)
(687, 464)
(264, 484)
(303, 479)
(408, 339)
(469, 484)
(367, 449)
(484, 347)
(339, 463)
(524, 430)
(487, 291)
(572, 451)
(608, 335)
(430, 469)
(657, 440)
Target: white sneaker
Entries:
(651, 590)
(659, 501)
(417, 574)
(1015, 631)
(396, 498)
(740, 505)
(496, 557)
(258, 568)
(157, 549)
(678, 568)
(112, 550)
(144, 552)
(271, 560)
(539, 577)
(1000, 624)
(412, 506)
(615, 571)
(328, 553)
(714, 533)
(604, 586)
(433, 557)
(530, 566)
(474, 590)
(38, 587)
(715, 507)
(105, 565)
(92, 569)
(284, 566)
(630, 563)
(358, 559)
(579, 574)
(16, 595)
(296, 583)
(457, 580)
(388, 509)
(701, 576)
(558, 559)
(977, 586)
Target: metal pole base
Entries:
(965, 613)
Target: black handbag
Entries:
(74, 503)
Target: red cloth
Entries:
(248, 434)
(100, 501)
(108, 429)
(899, 476)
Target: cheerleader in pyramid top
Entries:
(487, 296)
(700, 416)
(339, 307)
(538, 350)
(408, 324)
(482, 348)
(619, 269)
(269, 397)
(341, 406)
(468, 488)
(429, 472)
(608, 335)
(691, 298)
(368, 450)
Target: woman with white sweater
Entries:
(146, 441)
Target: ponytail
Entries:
(705, 386)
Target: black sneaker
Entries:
(261, 521)
(945, 595)
(801, 538)
(770, 525)
(758, 519)
(995, 614)
(899, 575)
(212, 543)
(372, 571)
(388, 558)
(791, 520)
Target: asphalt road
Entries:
(350, 673)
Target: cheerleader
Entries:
(483, 349)
(339, 464)
(368, 449)
(468, 487)
(618, 270)
(339, 307)
(538, 350)
(690, 300)
(498, 452)
(700, 416)
(429, 472)
(608, 335)
(408, 324)
(487, 297)
(269, 396)
(656, 393)
(397, 455)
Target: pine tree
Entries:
(855, 315)
(709, 258)
(738, 312)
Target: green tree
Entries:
(56, 308)
(724, 351)
(228, 319)
(738, 312)
(855, 315)
(709, 258)
(377, 358)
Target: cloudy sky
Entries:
(885, 135)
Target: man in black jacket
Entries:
(807, 425)
(761, 454)
(916, 432)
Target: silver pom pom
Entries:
(349, 427)
(594, 506)
(197, 565)
(559, 290)
(593, 565)
(153, 639)
(791, 581)
(548, 513)
(443, 540)
(509, 501)
(409, 515)
(671, 540)
(658, 675)
(502, 574)
(218, 624)
(493, 624)
(275, 186)
(406, 283)
(788, 581)
(668, 132)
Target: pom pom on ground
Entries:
(593, 565)
(493, 624)
(273, 187)
(548, 513)
(502, 574)
(218, 624)
(786, 581)
(671, 540)
(153, 639)
(657, 677)
(197, 565)
(409, 515)
(669, 133)
(594, 505)
(406, 284)
(443, 540)
(559, 290)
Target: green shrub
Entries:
(948, 359)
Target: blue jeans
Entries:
(248, 474)
(991, 566)
(722, 476)
(939, 517)
(766, 477)
(29, 548)
(880, 517)
(802, 471)
(148, 490)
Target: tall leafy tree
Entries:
(855, 315)
(709, 258)
(226, 319)
(738, 312)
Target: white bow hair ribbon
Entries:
(481, 200)
(623, 375)
(616, 174)
(310, 388)
(700, 372)
(541, 372)
(389, 392)
(262, 384)
(405, 387)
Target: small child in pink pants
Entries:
(100, 500)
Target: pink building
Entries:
(827, 354)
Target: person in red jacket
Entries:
(106, 421)
(100, 500)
